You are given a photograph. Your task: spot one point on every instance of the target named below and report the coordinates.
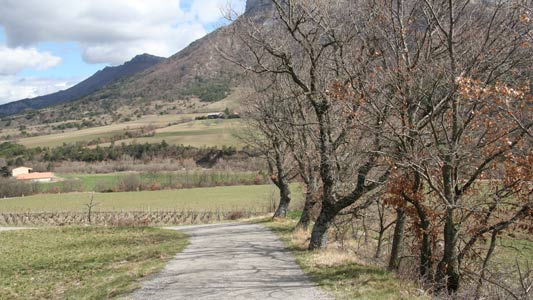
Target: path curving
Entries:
(231, 261)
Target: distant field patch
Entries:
(199, 133)
(88, 263)
(90, 134)
(159, 180)
(200, 199)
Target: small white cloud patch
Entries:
(12, 61)
(111, 31)
(13, 88)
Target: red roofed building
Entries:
(36, 177)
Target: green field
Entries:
(198, 178)
(199, 133)
(200, 199)
(82, 263)
(193, 133)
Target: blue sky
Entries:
(49, 45)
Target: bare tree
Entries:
(309, 43)
(90, 205)
(454, 75)
(264, 112)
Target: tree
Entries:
(454, 75)
(309, 44)
(265, 134)
(4, 172)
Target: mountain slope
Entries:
(190, 81)
(84, 88)
(198, 71)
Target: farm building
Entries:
(36, 177)
(20, 170)
(217, 115)
(25, 173)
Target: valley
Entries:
(351, 150)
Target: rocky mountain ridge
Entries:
(84, 88)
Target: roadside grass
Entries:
(341, 272)
(227, 198)
(82, 262)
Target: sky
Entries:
(50, 45)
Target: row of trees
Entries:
(15, 154)
(428, 101)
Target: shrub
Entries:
(10, 187)
(235, 215)
(129, 183)
(69, 186)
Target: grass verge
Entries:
(82, 262)
(341, 272)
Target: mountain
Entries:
(187, 82)
(84, 88)
(252, 6)
(197, 71)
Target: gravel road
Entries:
(230, 261)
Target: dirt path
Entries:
(231, 261)
(13, 228)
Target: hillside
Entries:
(198, 71)
(195, 80)
(84, 88)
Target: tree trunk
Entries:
(426, 264)
(397, 240)
(319, 235)
(310, 202)
(284, 199)
(448, 268)
(486, 262)
(380, 244)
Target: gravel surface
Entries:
(231, 261)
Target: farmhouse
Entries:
(24, 173)
(36, 177)
(20, 170)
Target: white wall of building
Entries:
(20, 170)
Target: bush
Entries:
(10, 187)
(130, 183)
(235, 215)
(69, 186)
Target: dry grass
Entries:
(89, 134)
(208, 133)
(344, 272)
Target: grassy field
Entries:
(200, 199)
(200, 178)
(341, 272)
(81, 263)
(193, 133)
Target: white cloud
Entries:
(13, 88)
(209, 11)
(110, 31)
(107, 31)
(15, 60)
